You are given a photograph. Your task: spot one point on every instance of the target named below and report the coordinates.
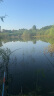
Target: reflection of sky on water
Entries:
(25, 63)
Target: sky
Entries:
(26, 13)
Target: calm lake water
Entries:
(31, 67)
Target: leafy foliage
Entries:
(45, 31)
(34, 27)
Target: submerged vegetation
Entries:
(5, 58)
(4, 62)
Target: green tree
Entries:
(34, 27)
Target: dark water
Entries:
(31, 67)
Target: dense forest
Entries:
(33, 32)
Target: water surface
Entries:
(31, 67)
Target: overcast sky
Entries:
(26, 13)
